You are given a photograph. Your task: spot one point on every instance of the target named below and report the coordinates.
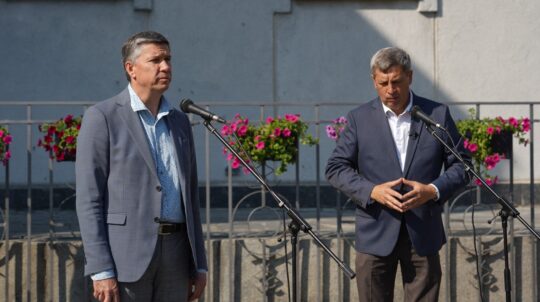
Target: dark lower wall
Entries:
(64, 197)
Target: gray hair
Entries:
(132, 47)
(389, 57)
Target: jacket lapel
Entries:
(414, 137)
(135, 129)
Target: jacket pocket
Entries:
(116, 218)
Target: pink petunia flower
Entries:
(490, 130)
(473, 147)
(7, 139)
(513, 122)
(70, 139)
(68, 119)
(242, 130)
(225, 130)
(331, 132)
(269, 120)
(260, 145)
(235, 163)
(526, 124)
(51, 130)
(293, 118)
(492, 160)
(286, 132)
(340, 120)
(277, 131)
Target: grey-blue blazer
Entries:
(119, 193)
(365, 156)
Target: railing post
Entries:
(29, 204)
(6, 232)
(532, 199)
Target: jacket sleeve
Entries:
(92, 170)
(342, 167)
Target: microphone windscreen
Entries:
(415, 109)
(184, 105)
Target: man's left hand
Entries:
(196, 286)
(419, 194)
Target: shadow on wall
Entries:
(324, 49)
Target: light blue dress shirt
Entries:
(164, 154)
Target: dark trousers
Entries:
(375, 275)
(167, 276)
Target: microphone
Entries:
(419, 114)
(188, 107)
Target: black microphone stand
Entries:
(507, 210)
(298, 223)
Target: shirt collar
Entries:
(407, 109)
(138, 105)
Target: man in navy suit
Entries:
(137, 190)
(390, 166)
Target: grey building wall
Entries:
(261, 51)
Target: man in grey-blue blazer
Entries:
(137, 188)
(390, 166)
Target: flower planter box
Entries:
(502, 143)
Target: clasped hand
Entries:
(418, 195)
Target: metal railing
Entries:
(239, 215)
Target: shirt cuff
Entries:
(103, 275)
(437, 191)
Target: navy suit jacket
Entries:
(365, 156)
(119, 193)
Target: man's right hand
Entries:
(106, 290)
(385, 195)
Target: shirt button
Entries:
(158, 188)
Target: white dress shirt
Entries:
(400, 126)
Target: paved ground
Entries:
(263, 221)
